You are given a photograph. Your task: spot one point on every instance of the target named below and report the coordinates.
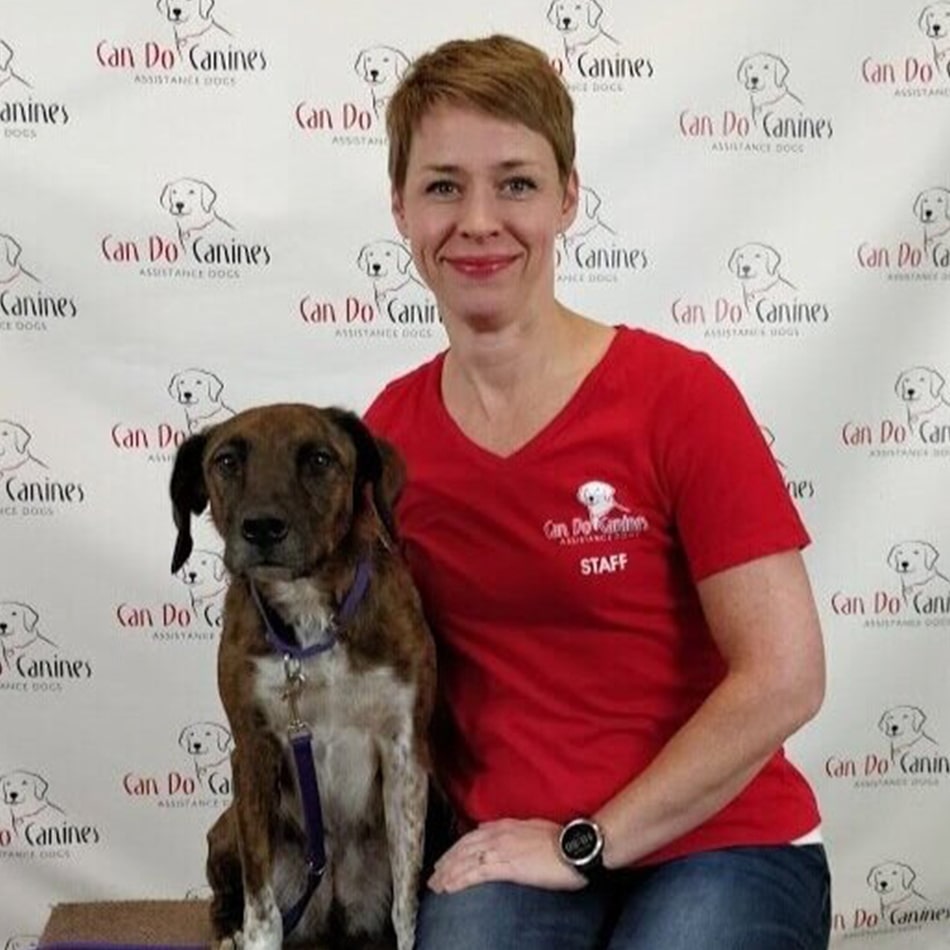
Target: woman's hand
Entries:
(522, 852)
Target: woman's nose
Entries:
(479, 216)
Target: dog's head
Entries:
(935, 20)
(381, 65)
(891, 877)
(901, 721)
(188, 196)
(17, 621)
(379, 259)
(568, 16)
(203, 570)
(181, 12)
(595, 494)
(754, 260)
(195, 387)
(202, 739)
(19, 787)
(13, 442)
(287, 484)
(932, 205)
(762, 72)
(919, 383)
(22, 942)
(912, 557)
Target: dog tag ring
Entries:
(295, 680)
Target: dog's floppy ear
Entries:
(12, 249)
(594, 12)
(217, 568)
(899, 383)
(189, 493)
(165, 199)
(872, 873)
(733, 264)
(204, 9)
(361, 259)
(31, 618)
(923, 21)
(919, 718)
(908, 874)
(6, 54)
(930, 555)
(591, 202)
(215, 385)
(181, 738)
(21, 438)
(402, 63)
(892, 557)
(741, 70)
(358, 65)
(224, 739)
(936, 383)
(918, 206)
(40, 785)
(883, 721)
(403, 258)
(552, 13)
(773, 259)
(377, 465)
(208, 196)
(781, 71)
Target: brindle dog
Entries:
(301, 496)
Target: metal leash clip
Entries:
(295, 679)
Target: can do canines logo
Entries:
(201, 777)
(917, 593)
(772, 117)
(925, 72)
(375, 71)
(922, 430)
(21, 115)
(924, 255)
(203, 245)
(28, 486)
(24, 304)
(897, 901)
(393, 303)
(905, 754)
(30, 661)
(32, 822)
(194, 44)
(764, 302)
(589, 56)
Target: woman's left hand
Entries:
(522, 852)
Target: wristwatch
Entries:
(582, 847)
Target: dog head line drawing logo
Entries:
(580, 25)
(600, 499)
(19, 631)
(191, 203)
(893, 882)
(9, 77)
(22, 942)
(25, 795)
(397, 287)
(932, 210)
(915, 563)
(764, 76)
(12, 270)
(903, 727)
(758, 269)
(921, 389)
(16, 456)
(206, 578)
(934, 23)
(192, 22)
(200, 393)
(381, 68)
(209, 746)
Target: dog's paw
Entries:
(234, 942)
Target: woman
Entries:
(610, 564)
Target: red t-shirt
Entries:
(560, 584)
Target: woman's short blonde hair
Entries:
(499, 75)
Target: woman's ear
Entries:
(569, 202)
(399, 211)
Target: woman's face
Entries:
(481, 206)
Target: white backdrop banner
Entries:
(194, 218)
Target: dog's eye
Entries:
(314, 457)
(226, 462)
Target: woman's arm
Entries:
(763, 619)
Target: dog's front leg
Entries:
(255, 769)
(405, 790)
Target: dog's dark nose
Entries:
(567, 22)
(176, 12)
(13, 796)
(3, 628)
(264, 531)
(374, 74)
(936, 28)
(928, 213)
(376, 268)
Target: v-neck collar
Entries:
(565, 415)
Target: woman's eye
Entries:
(441, 187)
(519, 186)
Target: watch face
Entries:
(580, 841)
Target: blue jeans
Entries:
(761, 898)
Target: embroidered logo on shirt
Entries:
(607, 518)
